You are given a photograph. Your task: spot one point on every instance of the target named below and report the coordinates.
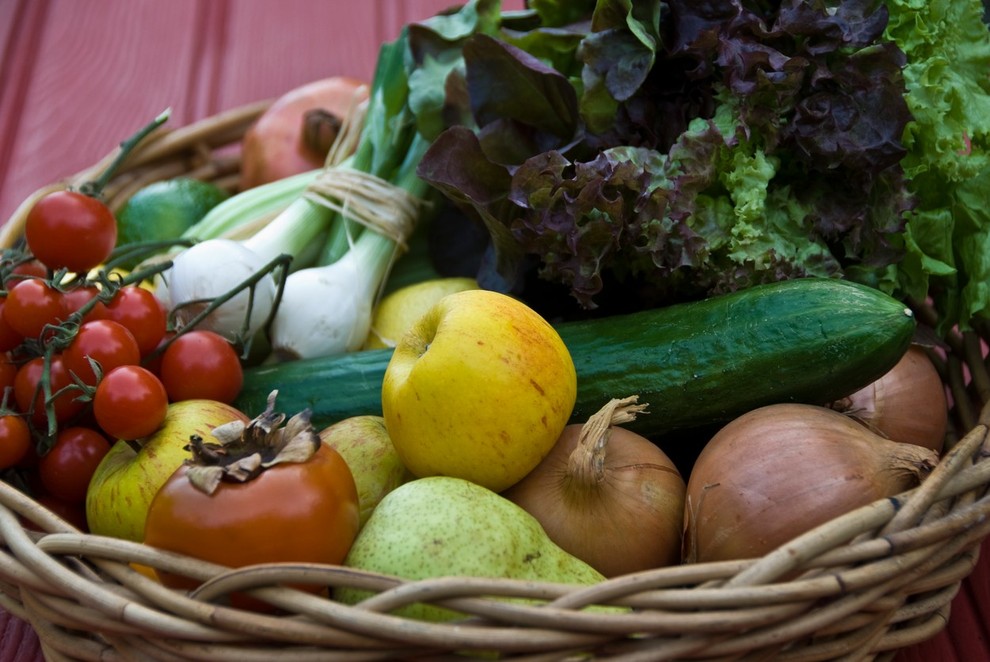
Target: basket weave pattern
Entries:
(859, 587)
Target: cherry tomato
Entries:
(304, 512)
(79, 296)
(32, 268)
(107, 342)
(67, 468)
(201, 364)
(31, 304)
(130, 402)
(15, 440)
(67, 229)
(142, 313)
(9, 338)
(30, 398)
(73, 512)
(8, 371)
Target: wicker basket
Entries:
(860, 587)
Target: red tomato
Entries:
(15, 440)
(107, 342)
(8, 371)
(140, 311)
(28, 268)
(67, 468)
(9, 338)
(305, 512)
(79, 296)
(30, 398)
(31, 304)
(73, 512)
(201, 364)
(67, 229)
(130, 402)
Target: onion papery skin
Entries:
(624, 517)
(908, 404)
(781, 470)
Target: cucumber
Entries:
(811, 340)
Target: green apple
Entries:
(365, 445)
(479, 388)
(399, 310)
(127, 479)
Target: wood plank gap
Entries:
(17, 64)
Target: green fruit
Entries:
(442, 526)
(164, 210)
(365, 445)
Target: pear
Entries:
(442, 526)
(365, 445)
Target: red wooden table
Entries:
(77, 76)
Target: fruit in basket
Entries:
(607, 495)
(164, 210)
(68, 466)
(780, 470)
(450, 527)
(260, 492)
(278, 144)
(694, 363)
(479, 388)
(200, 364)
(399, 310)
(127, 479)
(364, 444)
(70, 230)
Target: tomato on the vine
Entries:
(130, 402)
(31, 305)
(31, 398)
(78, 296)
(67, 468)
(142, 313)
(9, 338)
(8, 371)
(107, 342)
(15, 440)
(28, 268)
(201, 364)
(67, 229)
(73, 512)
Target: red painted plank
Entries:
(100, 72)
(21, 23)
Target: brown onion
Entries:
(607, 495)
(907, 404)
(781, 470)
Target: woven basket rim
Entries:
(862, 585)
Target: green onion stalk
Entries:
(376, 199)
(362, 208)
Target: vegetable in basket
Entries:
(343, 231)
(639, 154)
(781, 470)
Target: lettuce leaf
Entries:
(947, 45)
(681, 149)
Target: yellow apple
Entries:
(479, 388)
(399, 310)
(127, 479)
